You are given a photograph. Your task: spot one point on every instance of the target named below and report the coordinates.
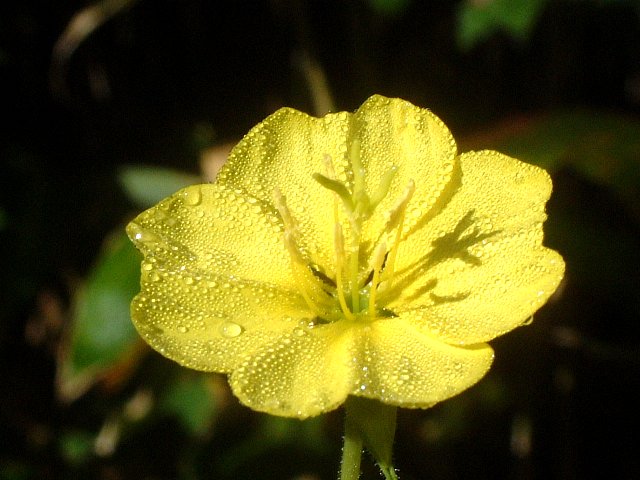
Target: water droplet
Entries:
(182, 329)
(193, 196)
(230, 329)
(142, 235)
(298, 331)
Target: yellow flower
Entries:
(354, 254)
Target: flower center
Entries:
(354, 287)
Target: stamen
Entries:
(292, 248)
(378, 260)
(305, 284)
(338, 240)
(283, 210)
(396, 219)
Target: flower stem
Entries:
(369, 424)
(351, 452)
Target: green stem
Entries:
(351, 451)
(371, 424)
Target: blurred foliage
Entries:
(146, 186)
(479, 19)
(101, 334)
(192, 402)
(145, 85)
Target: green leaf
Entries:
(479, 19)
(146, 186)
(191, 399)
(102, 335)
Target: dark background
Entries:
(157, 83)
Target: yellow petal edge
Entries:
(354, 254)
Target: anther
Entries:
(283, 210)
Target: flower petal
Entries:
(210, 324)
(289, 147)
(481, 265)
(216, 281)
(302, 374)
(400, 365)
(209, 228)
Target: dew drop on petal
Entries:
(230, 330)
(193, 196)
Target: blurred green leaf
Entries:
(191, 399)
(76, 446)
(146, 186)
(102, 335)
(274, 433)
(479, 19)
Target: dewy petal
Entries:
(400, 365)
(210, 228)
(215, 281)
(393, 132)
(289, 147)
(304, 373)
(212, 324)
(485, 270)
